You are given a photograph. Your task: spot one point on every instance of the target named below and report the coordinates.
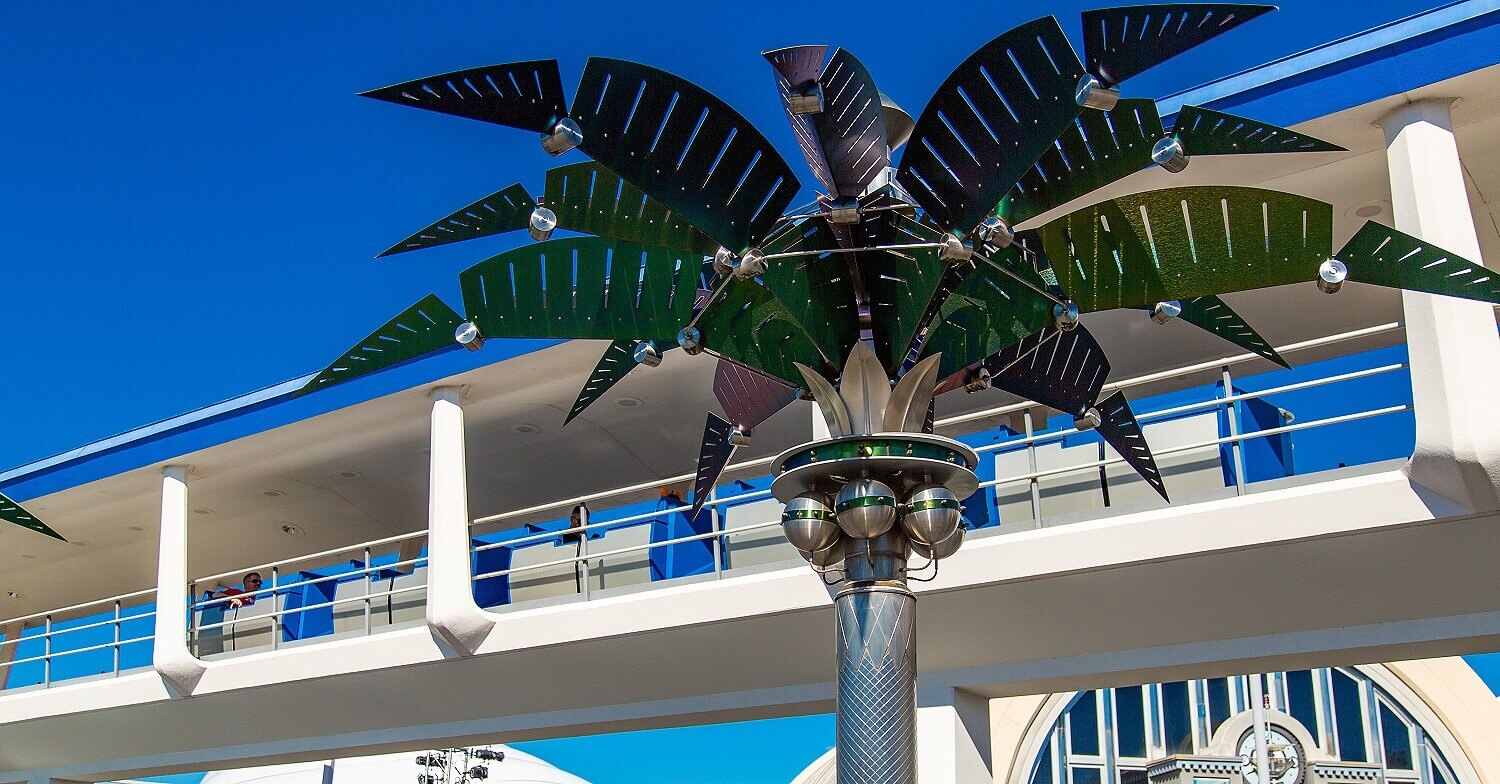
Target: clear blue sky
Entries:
(192, 194)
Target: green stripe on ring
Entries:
(807, 514)
(869, 500)
(934, 503)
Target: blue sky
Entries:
(192, 194)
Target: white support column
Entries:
(171, 657)
(452, 614)
(953, 736)
(1455, 352)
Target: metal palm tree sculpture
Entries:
(919, 273)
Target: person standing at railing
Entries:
(579, 519)
(244, 596)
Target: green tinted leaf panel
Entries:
(497, 213)
(1214, 315)
(423, 328)
(1119, 43)
(526, 95)
(747, 324)
(617, 362)
(14, 513)
(816, 290)
(591, 199)
(1382, 256)
(987, 312)
(1207, 132)
(582, 287)
(1181, 243)
(901, 283)
(1097, 149)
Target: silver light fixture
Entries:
(565, 136)
(723, 261)
(866, 508)
(1162, 312)
(932, 514)
(996, 231)
(543, 221)
(807, 100)
(647, 354)
(1089, 419)
(843, 212)
(468, 336)
(739, 436)
(1331, 276)
(978, 380)
(690, 339)
(1092, 94)
(750, 264)
(954, 250)
(1066, 315)
(809, 523)
(1169, 154)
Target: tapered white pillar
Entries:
(1455, 351)
(452, 615)
(171, 657)
(953, 737)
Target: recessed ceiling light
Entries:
(135, 528)
(1369, 210)
(628, 402)
(525, 427)
(203, 511)
(290, 530)
(350, 474)
(272, 493)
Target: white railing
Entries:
(217, 626)
(69, 634)
(401, 558)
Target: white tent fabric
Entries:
(518, 767)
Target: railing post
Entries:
(452, 614)
(174, 662)
(1454, 349)
(116, 628)
(1237, 457)
(47, 651)
(1033, 483)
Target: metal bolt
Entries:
(1162, 312)
(565, 136)
(1066, 315)
(1331, 275)
(690, 339)
(647, 354)
(1092, 94)
(1169, 154)
(468, 336)
(543, 221)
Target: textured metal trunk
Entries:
(877, 676)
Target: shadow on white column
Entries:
(458, 623)
(1454, 347)
(170, 655)
(953, 736)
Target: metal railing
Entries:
(307, 597)
(304, 597)
(90, 639)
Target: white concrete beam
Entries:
(1455, 351)
(953, 736)
(452, 615)
(174, 662)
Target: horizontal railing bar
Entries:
(622, 551)
(325, 554)
(282, 612)
(1152, 416)
(79, 606)
(635, 518)
(1201, 445)
(356, 574)
(111, 621)
(59, 654)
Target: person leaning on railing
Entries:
(241, 597)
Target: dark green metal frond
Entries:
(713, 457)
(1382, 256)
(497, 213)
(1119, 427)
(988, 312)
(989, 122)
(526, 95)
(617, 362)
(816, 290)
(685, 148)
(591, 199)
(1098, 149)
(900, 283)
(748, 324)
(851, 127)
(423, 328)
(1119, 43)
(582, 287)
(1181, 243)
(1212, 314)
(12, 512)
(1207, 132)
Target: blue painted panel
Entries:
(491, 591)
(684, 558)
